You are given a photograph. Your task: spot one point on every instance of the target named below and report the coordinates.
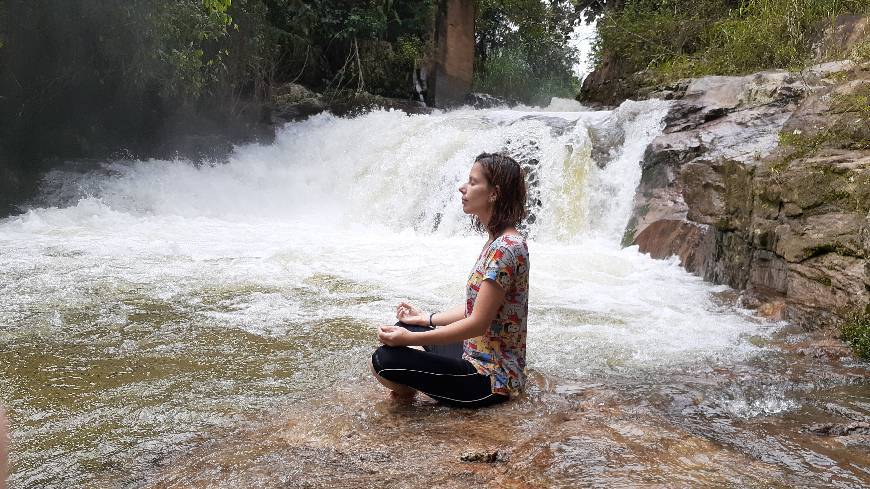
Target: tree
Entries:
(523, 50)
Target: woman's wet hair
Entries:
(505, 173)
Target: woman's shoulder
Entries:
(516, 243)
(510, 239)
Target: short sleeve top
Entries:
(501, 351)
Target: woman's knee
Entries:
(383, 373)
(384, 358)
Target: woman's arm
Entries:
(489, 299)
(449, 316)
(409, 314)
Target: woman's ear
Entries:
(495, 193)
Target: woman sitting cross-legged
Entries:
(488, 366)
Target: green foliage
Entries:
(677, 39)
(861, 52)
(522, 49)
(647, 33)
(184, 30)
(84, 78)
(190, 51)
(209, 47)
(508, 73)
(855, 331)
(340, 45)
(802, 145)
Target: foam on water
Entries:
(171, 295)
(373, 200)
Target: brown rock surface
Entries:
(762, 182)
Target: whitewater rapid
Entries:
(262, 278)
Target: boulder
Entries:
(823, 288)
(293, 102)
(685, 239)
(754, 184)
(480, 100)
(842, 36)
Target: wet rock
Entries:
(768, 273)
(668, 237)
(355, 103)
(716, 193)
(772, 310)
(487, 101)
(609, 83)
(822, 286)
(685, 116)
(668, 91)
(788, 224)
(702, 191)
(293, 102)
(680, 432)
(846, 412)
(838, 429)
(486, 457)
(721, 95)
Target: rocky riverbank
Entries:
(762, 182)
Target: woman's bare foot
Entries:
(398, 392)
(403, 397)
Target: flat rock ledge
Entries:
(762, 182)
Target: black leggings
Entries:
(439, 372)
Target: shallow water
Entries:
(166, 323)
(739, 424)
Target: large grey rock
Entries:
(789, 226)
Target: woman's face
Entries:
(477, 194)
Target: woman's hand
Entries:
(394, 335)
(409, 314)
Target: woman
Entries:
(490, 366)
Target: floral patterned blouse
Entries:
(501, 352)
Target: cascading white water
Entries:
(328, 228)
(374, 200)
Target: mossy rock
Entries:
(855, 331)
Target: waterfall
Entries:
(396, 170)
(189, 294)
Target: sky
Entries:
(582, 38)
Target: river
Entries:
(176, 324)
